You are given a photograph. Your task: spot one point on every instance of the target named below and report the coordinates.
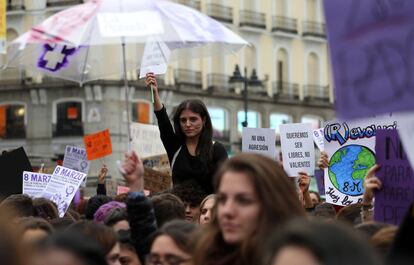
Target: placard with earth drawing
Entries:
(350, 146)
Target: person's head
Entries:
(45, 209)
(307, 242)
(94, 203)
(206, 209)
(167, 207)
(315, 197)
(11, 251)
(117, 219)
(254, 194)
(383, 239)
(324, 211)
(105, 209)
(33, 229)
(68, 248)
(171, 244)
(368, 229)
(350, 214)
(104, 235)
(128, 255)
(20, 205)
(191, 195)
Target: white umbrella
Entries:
(76, 44)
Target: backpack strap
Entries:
(175, 158)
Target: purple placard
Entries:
(319, 177)
(371, 44)
(397, 177)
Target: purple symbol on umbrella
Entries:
(55, 57)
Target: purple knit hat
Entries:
(105, 210)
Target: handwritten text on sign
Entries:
(371, 44)
(297, 148)
(98, 145)
(397, 177)
(259, 140)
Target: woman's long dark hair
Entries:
(205, 142)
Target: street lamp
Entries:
(253, 82)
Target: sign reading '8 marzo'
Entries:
(351, 153)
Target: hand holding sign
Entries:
(98, 145)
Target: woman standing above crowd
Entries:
(254, 195)
(191, 151)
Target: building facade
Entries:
(288, 52)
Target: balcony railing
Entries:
(313, 29)
(284, 24)
(185, 78)
(13, 5)
(285, 90)
(191, 3)
(316, 93)
(252, 19)
(220, 12)
(218, 83)
(51, 3)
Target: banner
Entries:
(260, 141)
(298, 151)
(62, 187)
(98, 145)
(34, 183)
(350, 146)
(397, 178)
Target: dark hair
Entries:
(279, 203)
(116, 215)
(330, 243)
(27, 223)
(316, 194)
(104, 235)
(383, 239)
(189, 192)
(324, 211)
(350, 214)
(125, 240)
(20, 205)
(94, 203)
(11, 251)
(180, 232)
(81, 246)
(368, 229)
(62, 223)
(167, 207)
(205, 142)
(45, 209)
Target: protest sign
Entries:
(155, 58)
(397, 178)
(318, 138)
(122, 190)
(156, 181)
(146, 140)
(260, 141)
(350, 147)
(62, 187)
(298, 151)
(370, 43)
(319, 178)
(34, 183)
(12, 164)
(75, 158)
(98, 145)
(406, 132)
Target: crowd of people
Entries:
(238, 210)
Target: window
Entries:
(282, 66)
(312, 10)
(253, 120)
(277, 119)
(12, 121)
(219, 119)
(316, 121)
(69, 120)
(141, 112)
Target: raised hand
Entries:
(323, 160)
(133, 171)
(371, 183)
(102, 174)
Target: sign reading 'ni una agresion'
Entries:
(260, 141)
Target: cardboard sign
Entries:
(318, 138)
(260, 141)
(155, 59)
(98, 145)
(370, 43)
(13, 164)
(351, 153)
(62, 187)
(146, 140)
(298, 150)
(34, 183)
(397, 177)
